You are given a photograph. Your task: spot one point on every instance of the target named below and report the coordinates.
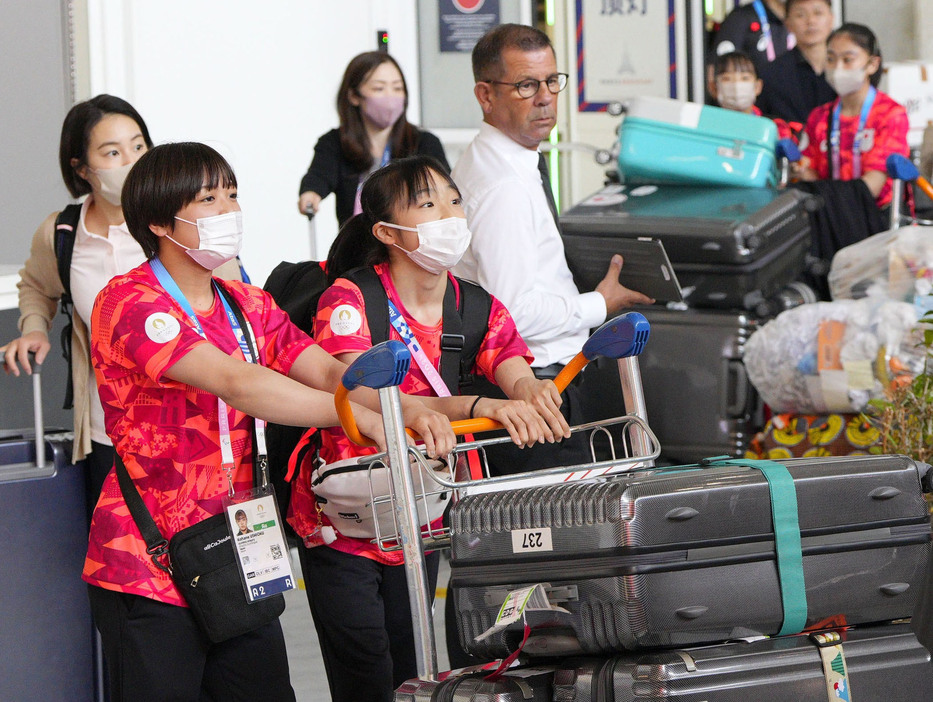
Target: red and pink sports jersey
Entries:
(885, 134)
(166, 432)
(341, 327)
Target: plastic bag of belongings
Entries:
(834, 356)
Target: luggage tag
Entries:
(835, 669)
(262, 554)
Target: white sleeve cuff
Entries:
(592, 309)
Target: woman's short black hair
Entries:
(398, 183)
(76, 136)
(865, 38)
(166, 179)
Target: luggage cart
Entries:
(384, 366)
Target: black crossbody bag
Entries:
(201, 558)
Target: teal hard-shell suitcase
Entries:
(677, 142)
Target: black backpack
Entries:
(64, 241)
(297, 287)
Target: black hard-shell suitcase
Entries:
(515, 685)
(677, 556)
(884, 663)
(731, 248)
(699, 399)
(46, 633)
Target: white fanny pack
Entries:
(356, 491)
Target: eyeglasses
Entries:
(529, 87)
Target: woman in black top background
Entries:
(371, 104)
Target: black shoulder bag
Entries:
(201, 559)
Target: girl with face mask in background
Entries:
(371, 103)
(170, 364)
(852, 136)
(735, 83)
(412, 230)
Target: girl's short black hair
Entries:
(165, 180)
(865, 38)
(734, 61)
(76, 136)
(398, 183)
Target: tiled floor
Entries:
(304, 656)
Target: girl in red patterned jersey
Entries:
(412, 230)
(852, 136)
(179, 399)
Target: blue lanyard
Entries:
(834, 136)
(765, 28)
(226, 447)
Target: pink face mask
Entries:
(383, 110)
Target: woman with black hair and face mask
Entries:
(852, 136)
(101, 139)
(371, 103)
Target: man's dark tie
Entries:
(548, 193)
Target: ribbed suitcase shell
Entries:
(884, 663)
(672, 557)
(521, 685)
(671, 141)
(730, 247)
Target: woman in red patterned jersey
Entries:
(412, 230)
(852, 136)
(179, 399)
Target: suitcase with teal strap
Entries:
(692, 554)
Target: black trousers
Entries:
(155, 651)
(363, 620)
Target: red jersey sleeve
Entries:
(137, 327)
(502, 342)
(340, 325)
(890, 124)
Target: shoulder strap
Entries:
(156, 543)
(375, 301)
(464, 325)
(64, 242)
(65, 225)
(474, 309)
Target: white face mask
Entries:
(845, 80)
(221, 238)
(111, 182)
(736, 95)
(441, 244)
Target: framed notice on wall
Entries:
(462, 22)
(625, 48)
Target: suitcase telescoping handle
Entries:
(383, 367)
(39, 468)
(623, 337)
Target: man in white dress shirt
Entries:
(516, 252)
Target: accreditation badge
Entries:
(259, 541)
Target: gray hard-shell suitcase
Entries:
(731, 248)
(884, 663)
(678, 556)
(699, 399)
(46, 634)
(516, 685)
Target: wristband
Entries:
(473, 406)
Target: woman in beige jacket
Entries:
(100, 141)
